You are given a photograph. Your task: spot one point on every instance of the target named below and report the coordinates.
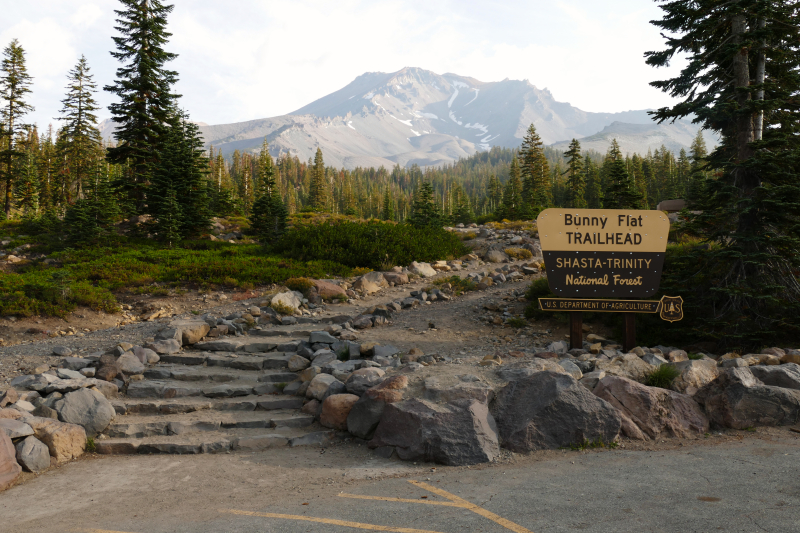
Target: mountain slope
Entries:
(415, 116)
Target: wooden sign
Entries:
(603, 253)
(669, 308)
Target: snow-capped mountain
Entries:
(417, 116)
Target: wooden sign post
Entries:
(591, 254)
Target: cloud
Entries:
(252, 59)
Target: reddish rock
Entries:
(8, 397)
(547, 355)
(326, 289)
(65, 441)
(311, 408)
(335, 409)
(655, 411)
(9, 468)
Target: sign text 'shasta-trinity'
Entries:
(603, 253)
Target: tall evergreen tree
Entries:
(621, 191)
(425, 211)
(387, 212)
(535, 173)
(318, 192)
(269, 216)
(594, 187)
(495, 193)
(576, 183)
(15, 83)
(144, 88)
(512, 205)
(741, 81)
(81, 136)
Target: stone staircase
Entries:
(212, 402)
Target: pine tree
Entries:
(269, 217)
(387, 212)
(26, 185)
(91, 219)
(144, 88)
(621, 192)
(15, 83)
(82, 138)
(512, 194)
(462, 213)
(741, 82)
(425, 211)
(535, 173)
(318, 192)
(594, 188)
(576, 183)
(495, 193)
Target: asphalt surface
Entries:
(746, 486)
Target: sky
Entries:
(248, 59)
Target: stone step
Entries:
(199, 374)
(131, 406)
(248, 440)
(266, 383)
(235, 360)
(139, 426)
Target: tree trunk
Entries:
(761, 67)
(741, 73)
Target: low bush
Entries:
(282, 309)
(662, 377)
(516, 322)
(518, 253)
(458, 285)
(299, 284)
(372, 244)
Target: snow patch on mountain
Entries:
(475, 98)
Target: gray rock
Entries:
(319, 386)
(458, 433)
(38, 382)
(323, 337)
(323, 357)
(287, 299)
(33, 455)
(495, 256)
(316, 438)
(87, 372)
(559, 347)
(591, 379)
(362, 322)
(146, 355)
(786, 376)
(734, 363)
(130, 364)
(571, 368)
(168, 346)
(654, 359)
(549, 410)
(337, 387)
(171, 334)
(62, 351)
(363, 379)
(67, 385)
(63, 373)
(15, 429)
(298, 363)
(87, 408)
(220, 346)
(74, 363)
(737, 399)
(385, 351)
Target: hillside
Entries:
(415, 116)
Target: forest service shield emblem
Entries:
(671, 308)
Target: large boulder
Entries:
(366, 286)
(191, 331)
(739, 400)
(377, 278)
(130, 364)
(15, 429)
(458, 433)
(319, 386)
(168, 346)
(551, 410)
(33, 455)
(328, 290)
(422, 269)
(9, 469)
(655, 411)
(786, 376)
(335, 410)
(65, 441)
(628, 365)
(495, 256)
(363, 379)
(396, 278)
(288, 300)
(108, 369)
(529, 367)
(87, 408)
(368, 410)
(694, 374)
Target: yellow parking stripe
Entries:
(406, 500)
(356, 525)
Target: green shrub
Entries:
(459, 285)
(662, 377)
(516, 322)
(539, 288)
(282, 309)
(91, 445)
(299, 284)
(695, 356)
(518, 253)
(369, 244)
(360, 271)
